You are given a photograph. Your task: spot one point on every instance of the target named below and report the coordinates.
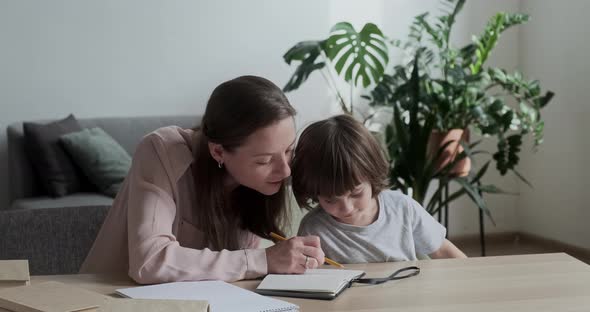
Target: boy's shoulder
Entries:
(394, 197)
(313, 215)
(396, 202)
(314, 220)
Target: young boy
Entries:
(339, 165)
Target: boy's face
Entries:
(356, 207)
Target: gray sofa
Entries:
(55, 234)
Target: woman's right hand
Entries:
(294, 255)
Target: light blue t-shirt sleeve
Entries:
(427, 232)
(302, 230)
(304, 226)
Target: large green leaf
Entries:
(507, 155)
(486, 42)
(358, 56)
(475, 194)
(451, 17)
(545, 99)
(436, 36)
(306, 52)
(522, 178)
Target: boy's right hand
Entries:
(289, 256)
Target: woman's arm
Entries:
(447, 250)
(155, 255)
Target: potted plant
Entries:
(445, 88)
(469, 95)
(414, 165)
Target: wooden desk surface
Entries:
(543, 282)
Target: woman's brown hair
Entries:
(236, 109)
(333, 156)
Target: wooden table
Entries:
(543, 282)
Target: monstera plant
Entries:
(359, 58)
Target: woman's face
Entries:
(262, 162)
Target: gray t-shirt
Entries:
(402, 230)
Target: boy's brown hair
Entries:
(334, 156)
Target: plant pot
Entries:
(438, 139)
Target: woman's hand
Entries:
(295, 255)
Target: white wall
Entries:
(149, 57)
(554, 49)
(138, 57)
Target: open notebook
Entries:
(220, 295)
(317, 284)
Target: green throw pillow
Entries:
(100, 157)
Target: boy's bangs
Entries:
(338, 174)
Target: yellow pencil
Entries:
(330, 261)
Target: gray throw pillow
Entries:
(101, 158)
(54, 167)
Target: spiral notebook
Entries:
(221, 296)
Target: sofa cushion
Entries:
(73, 200)
(54, 167)
(104, 162)
(127, 131)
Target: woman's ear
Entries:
(217, 152)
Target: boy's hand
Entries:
(290, 256)
(447, 250)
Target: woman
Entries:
(195, 203)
